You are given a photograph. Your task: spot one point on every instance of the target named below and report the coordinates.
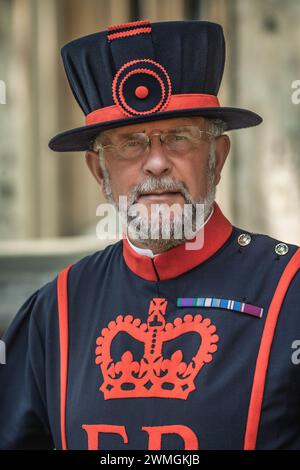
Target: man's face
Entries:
(180, 179)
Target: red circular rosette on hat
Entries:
(141, 87)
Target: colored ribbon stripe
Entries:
(227, 304)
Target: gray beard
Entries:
(158, 236)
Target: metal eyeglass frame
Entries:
(161, 138)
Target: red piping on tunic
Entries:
(62, 299)
(259, 380)
(176, 102)
(262, 361)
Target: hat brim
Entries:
(81, 138)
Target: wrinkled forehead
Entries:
(157, 125)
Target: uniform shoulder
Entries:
(263, 242)
(263, 256)
(263, 260)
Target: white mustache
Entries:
(166, 185)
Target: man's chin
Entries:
(161, 239)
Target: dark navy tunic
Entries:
(106, 356)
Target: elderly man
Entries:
(158, 342)
(170, 173)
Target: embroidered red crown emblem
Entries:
(154, 375)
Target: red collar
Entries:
(178, 260)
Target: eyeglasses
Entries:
(176, 141)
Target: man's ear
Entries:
(222, 151)
(92, 161)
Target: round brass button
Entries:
(281, 249)
(244, 239)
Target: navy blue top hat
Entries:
(142, 71)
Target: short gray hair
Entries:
(217, 126)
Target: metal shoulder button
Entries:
(244, 239)
(281, 249)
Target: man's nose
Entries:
(157, 161)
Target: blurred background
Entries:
(48, 200)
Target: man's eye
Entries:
(132, 143)
(177, 137)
